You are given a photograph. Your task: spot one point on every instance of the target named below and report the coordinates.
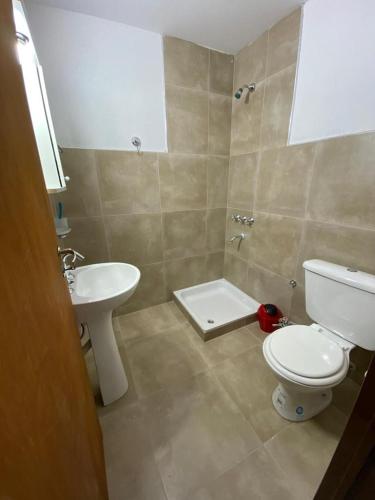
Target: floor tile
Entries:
(131, 469)
(250, 384)
(126, 399)
(163, 360)
(257, 332)
(226, 346)
(150, 321)
(303, 450)
(197, 422)
(345, 395)
(197, 433)
(258, 476)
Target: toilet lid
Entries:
(306, 352)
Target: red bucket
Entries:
(268, 316)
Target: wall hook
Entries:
(137, 143)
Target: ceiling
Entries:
(225, 25)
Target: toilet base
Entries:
(299, 405)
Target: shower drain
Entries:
(210, 321)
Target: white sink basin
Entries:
(96, 291)
(100, 287)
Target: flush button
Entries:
(352, 270)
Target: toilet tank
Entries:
(342, 300)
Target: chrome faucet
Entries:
(240, 237)
(67, 267)
(66, 254)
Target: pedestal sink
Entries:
(97, 290)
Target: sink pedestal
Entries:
(111, 374)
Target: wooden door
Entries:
(351, 473)
(50, 439)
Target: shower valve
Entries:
(242, 219)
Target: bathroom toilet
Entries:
(309, 360)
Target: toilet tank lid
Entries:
(347, 275)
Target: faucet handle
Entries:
(67, 253)
(236, 217)
(78, 255)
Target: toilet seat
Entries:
(307, 355)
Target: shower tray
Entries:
(216, 307)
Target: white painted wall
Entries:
(335, 84)
(225, 25)
(105, 80)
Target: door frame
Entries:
(355, 445)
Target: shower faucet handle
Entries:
(236, 217)
(249, 221)
(243, 219)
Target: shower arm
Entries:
(249, 86)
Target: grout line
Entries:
(164, 274)
(207, 159)
(264, 86)
(106, 239)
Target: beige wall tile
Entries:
(214, 266)
(269, 288)
(220, 111)
(346, 246)
(187, 120)
(88, 238)
(151, 289)
(283, 180)
(250, 62)
(298, 312)
(136, 239)
(242, 177)
(343, 183)
(182, 182)
(274, 243)
(277, 107)
(221, 73)
(246, 122)
(81, 199)
(216, 220)
(283, 42)
(128, 182)
(186, 64)
(217, 181)
(182, 273)
(184, 233)
(235, 271)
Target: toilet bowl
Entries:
(308, 361)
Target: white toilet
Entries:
(309, 360)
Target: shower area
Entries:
(169, 213)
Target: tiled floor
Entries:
(197, 422)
